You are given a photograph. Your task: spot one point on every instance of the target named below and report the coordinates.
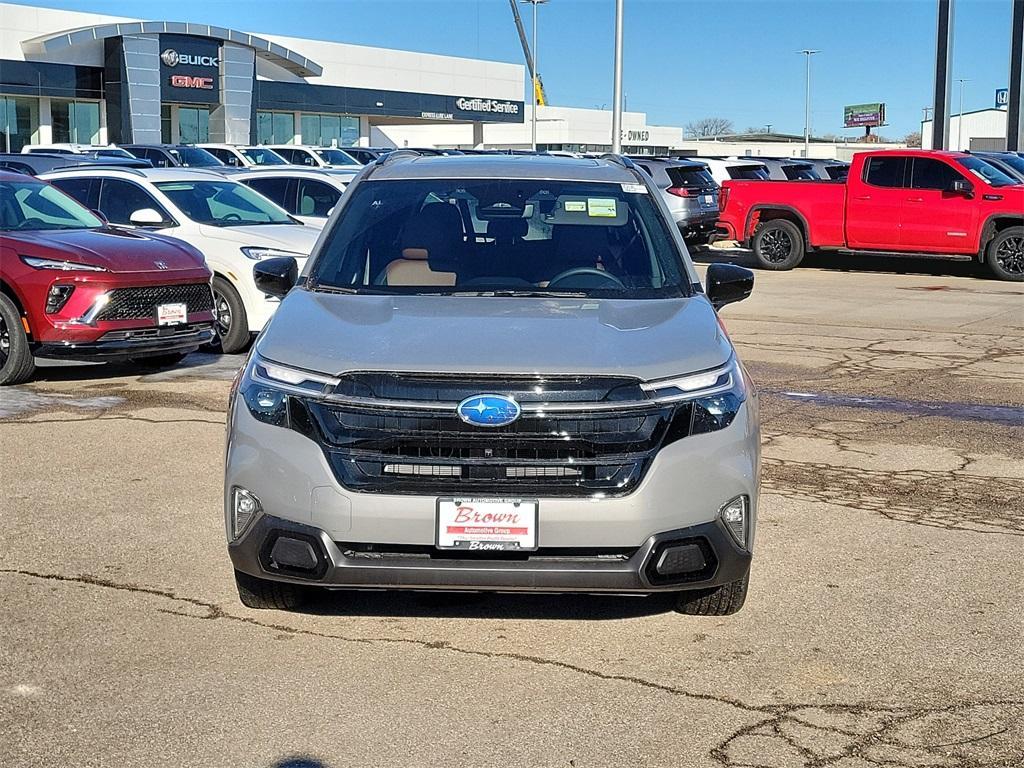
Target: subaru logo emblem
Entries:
(489, 410)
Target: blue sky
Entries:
(684, 59)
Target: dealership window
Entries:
(193, 125)
(75, 122)
(330, 130)
(19, 123)
(275, 128)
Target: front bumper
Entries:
(721, 561)
(119, 346)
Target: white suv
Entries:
(243, 157)
(231, 224)
(307, 194)
(316, 157)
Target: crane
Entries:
(538, 84)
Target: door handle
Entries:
(863, 197)
(915, 199)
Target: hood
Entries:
(114, 249)
(649, 339)
(298, 238)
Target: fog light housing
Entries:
(57, 297)
(736, 516)
(244, 509)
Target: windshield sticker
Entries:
(603, 207)
(575, 206)
(634, 189)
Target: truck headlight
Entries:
(716, 395)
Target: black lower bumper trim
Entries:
(120, 350)
(539, 574)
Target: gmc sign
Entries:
(188, 81)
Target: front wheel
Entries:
(778, 244)
(717, 601)
(229, 314)
(255, 592)
(16, 362)
(1005, 254)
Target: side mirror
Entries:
(276, 276)
(146, 217)
(962, 187)
(727, 283)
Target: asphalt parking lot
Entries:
(884, 626)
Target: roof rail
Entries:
(393, 155)
(622, 160)
(96, 167)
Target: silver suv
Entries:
(690, 193)
(495, 373)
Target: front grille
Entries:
(141, 303)
(168, 332)
(413, 452)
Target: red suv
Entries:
(74, 288)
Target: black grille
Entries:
(396, 451)
(140, 303)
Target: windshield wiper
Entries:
(512, 292)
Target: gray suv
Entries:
(495, 373)
(690, 193)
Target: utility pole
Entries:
(1015, 105)
(943, 73)
(807, 53)
(960, 117)
(535, 73)
(617, 87)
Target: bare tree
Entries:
(913, 139)
(709, 126)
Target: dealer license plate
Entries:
(171, 314)
(487, 524)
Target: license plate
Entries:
(171, 314)
(487, 524)
(706, 199)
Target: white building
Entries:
(984, 129)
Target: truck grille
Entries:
(407, 450)
(141, 303)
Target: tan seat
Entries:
(432, 238)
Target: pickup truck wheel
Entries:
(778, 244)
(1005, 254)
(229, 316)
(16, 363)
(260, 593)
(717, 601)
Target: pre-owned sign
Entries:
(189, 69)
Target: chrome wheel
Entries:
(776, 246)
(1010, 255)
(222, 314)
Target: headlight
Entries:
(258, 253)
(265, 387)
(716, 395)
(63, 266)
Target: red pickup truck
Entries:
(916, 203)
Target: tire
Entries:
(1005, 254)
(717, 601)
(229, 316)
(169, 360)
(778, 244)
(16, 362)
(263, 593)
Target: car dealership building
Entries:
(96, 79)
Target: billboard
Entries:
(864, 115)
(1002, 97)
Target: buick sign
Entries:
(489, 410)
(172, 58)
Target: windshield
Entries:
(32, 205)
(486, 237)
(1013, 161)
(987, 173)
(223, 203)
(262, 156)
(336, 157)
(194, 157)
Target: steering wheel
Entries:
(231, 217)
(31, 224)
(587, 272)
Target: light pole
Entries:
(960, 117)
(536, 73)
(807, 52)
(617, 87)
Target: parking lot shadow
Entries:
(487, 605)
(299, 762)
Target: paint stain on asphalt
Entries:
(16, 402)
(1000, 414)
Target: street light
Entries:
(807, 52)
(536, 72)
(960, 117)
(617, 86)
